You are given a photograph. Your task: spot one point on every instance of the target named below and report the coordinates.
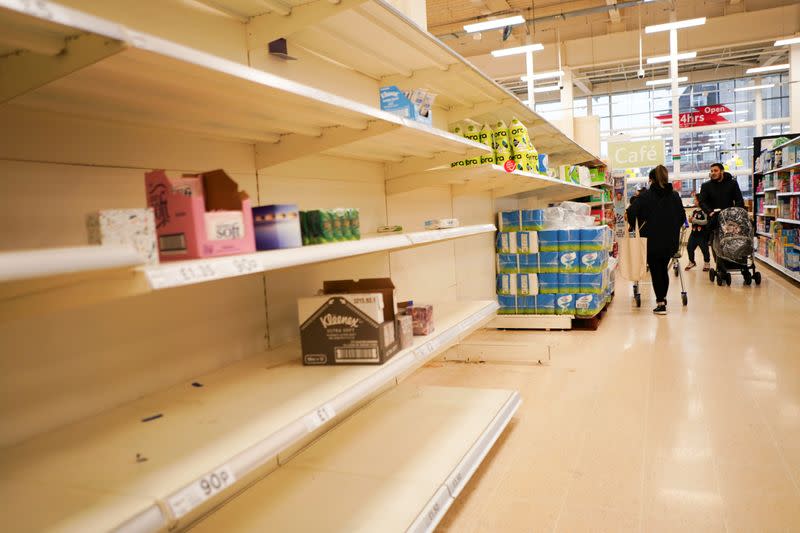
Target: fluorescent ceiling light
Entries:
(665, 59)
(784, 42)
(665, 81)
(493, 24)
(754, 87)
(517, 50)
(770, 68)
(675, 25)
(544, 75)
(547, 89)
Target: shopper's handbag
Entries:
(633, 256)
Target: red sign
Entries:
(510, 165)
(705, 115)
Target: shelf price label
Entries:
(201, 490)
(319, 417)
(246, 265)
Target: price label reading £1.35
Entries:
(204, 488)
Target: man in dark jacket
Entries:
(721, 192)
(660, 215)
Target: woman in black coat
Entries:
(660, 215)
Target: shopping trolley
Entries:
(676, 267)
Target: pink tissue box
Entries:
(200, 216)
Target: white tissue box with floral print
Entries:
(133, 227)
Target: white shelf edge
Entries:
(787, 220)
(181, 273)
(770, 189)
(770, 206)
(760, 193)
(787, 194)
(472, 460)
(33, 264)
(248, 460)
(764, 215)
(781, 169)
(764, 234)
(780, 268)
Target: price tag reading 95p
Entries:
(204, 488)
(319, 417)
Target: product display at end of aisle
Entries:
(415, 104)
(351, 322)
(570, 272)
(330, 225)
(132, 227)
(203, 215)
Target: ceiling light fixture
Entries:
(675, 25)
(754, 87)
(790, 40)
(664, 81)
(544, 75)
(769, 68)
(665, 59)
(517, 50)
(494, 24)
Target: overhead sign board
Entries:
(704, 115)
(636, 154)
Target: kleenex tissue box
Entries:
(132, 227)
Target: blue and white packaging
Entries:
(532, 219)
(546, 304)
(568, 262)
(548, 283)
(569, 240)
(507, 263)
(528, 263)
(548, 262)
(506, 242)
(527, 285)
(588, 304)
(507, 284)
(592, 261)
(508, 304)
(527, 242)
(594, 238)
(548, 240)
(509, 221)
(565, 304)
(414, 105)
(544, 162)
(569, 283)
(526, 305)
(593, 283)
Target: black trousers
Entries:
(658, 261)
(698, 238)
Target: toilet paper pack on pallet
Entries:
(593, 261)
(526, 305)
(507, 284)
(506, 242)
(509, 220)
(548, 240)
(569, 283)
(548, 283)
(565, 304)
(532, 220)
(588, 305)
(568, 262)
(508, 304)
(548, 262)
(527, 242)
(527, 284)
(507, 263)
(546, 304)
(528, 263)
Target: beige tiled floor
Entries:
(689, 422)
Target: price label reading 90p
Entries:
(319, 417)
(245, 265)
(201, 490)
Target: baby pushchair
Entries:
(732, 247)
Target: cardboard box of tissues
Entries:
(202, 215)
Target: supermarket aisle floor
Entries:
(689, 422)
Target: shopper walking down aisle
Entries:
(699, 236)
(660, 215)
(721, 192)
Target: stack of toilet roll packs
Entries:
(509, 142)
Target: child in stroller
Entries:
(732, 246)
